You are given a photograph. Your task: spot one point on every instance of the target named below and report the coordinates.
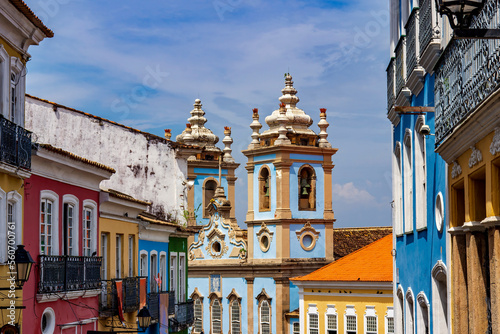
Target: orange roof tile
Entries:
(28, 13)
(372, 263)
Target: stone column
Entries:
(282, 302)
(494, 256)
(477, 281)
(460, 310)
(250, 214)
(283, 190)
(250, 300)
(327, 168)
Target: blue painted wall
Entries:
(294, 297)
(271, 252)
(296, 250)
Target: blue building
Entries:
(419, 174)
(239, 278)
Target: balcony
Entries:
(415, 72)
(184, 316)
(429, 35)
(402, 92)
(466, 75)
(131, 296)
(391, 94)
(15, 144)
(68, 276)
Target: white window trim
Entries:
(151, 276)
(231, 322)
(131, 256)
(182, 270)
(88, 203)
(397, 190)
(212, 317)
(3, 224)
(18, 68)
(331, 310)
(118, 255)
(409, 313)
(164, 274)
(54, 198)
(420, 176)
(389, 314)
(4, 82)
(350, 310)
(440, 321)
(16, 199)
(370, 312)
(423, 302)
(399, 311)
(312, 309)
(104, 255)
(173, 274)
(408, 182)
(73, 200)
(200, 299)
(143, 254)
(270, 315)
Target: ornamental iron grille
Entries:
(411, 42)
(400, 64)
(108, 302)
(391, 95)
(131, 291)
(184, 316)
(15, 144)
(428, 28)
(154, 306)
(69, 273)
(467, 74)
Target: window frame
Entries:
(119, 255)
(181, 267)
(153, 271)
(173, 267)
(331, 311)
(389, 315)
(143, 263)
(397, 191)
(72, 200)
(423, 314)
(261, 191)
(350, 312)
(233, 301)
(163, 271)
(370, 313)
(311, 198)
(205, 199)
(16, 201)
(409, 312)
(408, 190)
(4, 82)
(420, 165)
(197, 298)
(92, 206)
(53, 198)
(131, 255)
(312, 314)
(17, 68)
(212, 302)
(105, 255)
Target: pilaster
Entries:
(494, 255)
(250, 303)
(477, 281)
(283, 190)
(250, 214)
(328, 213)
(460, 311)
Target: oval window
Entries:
(439, 212)
(216, 247)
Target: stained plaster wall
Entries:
(146, 166)
(418, 252)
(294, 189)
(296, 250)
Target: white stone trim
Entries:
(397, 190)
(54, 198)
(389, 314)
(423, 313)
(408, 182)
(73, 200)
(88, 203)
(439, 212)
(16, 199)
(409, 312)
(369, 312)
(19, 70)
(420, 170)
(4, 81)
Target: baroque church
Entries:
(239, 279)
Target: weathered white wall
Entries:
(146, 165)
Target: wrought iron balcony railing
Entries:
(467, 74)
(412, 54)
(400, 64)
(69, 273)
(184, 316)
(391, 93)
(426, 24)
(15, 144)
(154, 306)
(131, 296)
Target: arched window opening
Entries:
(235, 317)
(198, 315)
(265, 317)
(208, 194)
(307, 189)
(264, 190)
(216, 314)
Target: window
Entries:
(153, 272)
(477, 195)
(264, 189)
(408, 182)
(312, 319)
(16, 90)
(397, 191)
(235, 317)
(351, 324)
(104, 254)
(68, 225)
(163, 271)
(182, 277)
(296, 328)
(439, 299)
(49, 223)
(307, 188)
(216, 315)
(208, 194)
(118, 255)
(265, 317)
(371, 320)
(399, 314)
(457, 204)
(173, 275)
(144, 263)
(420, 176)
(422, 314)
(4, 81)
(198, 315)
(409, 313)
(331, 320)
(89, 228)
(389, 321)
(131, 256)
(13, 97)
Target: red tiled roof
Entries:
(120, 195)
(372, 263)
(348, 240)
(28, 13)
(76, 157)
(146, 134)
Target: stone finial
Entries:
(283, 121)
(168, 133)
(227, 141)
(199, 134)
(255, 126)
(188, 138)
(323, 124)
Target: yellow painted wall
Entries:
(9, 183)
(380, 303)
(10, 50)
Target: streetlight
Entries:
(23, 262)
(460, 14)
(144, 318)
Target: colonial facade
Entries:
(421, 274)
(351, 295)
(467, 138)
(20, 28)
(240, 279)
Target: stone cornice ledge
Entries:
(491, 221)
(473, 227)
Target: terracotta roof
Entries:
(76, 157)
(146, 134)
(372, 263)
(120, 195)
(26, 11)
(347, 240)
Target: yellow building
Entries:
(119, 244)
(19, 28)
(351, 295)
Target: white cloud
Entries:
(349, 192)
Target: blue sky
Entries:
(143, 63)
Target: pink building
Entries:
(61, 228)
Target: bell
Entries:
(266, 187)
(267, 192)
(304, 191)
